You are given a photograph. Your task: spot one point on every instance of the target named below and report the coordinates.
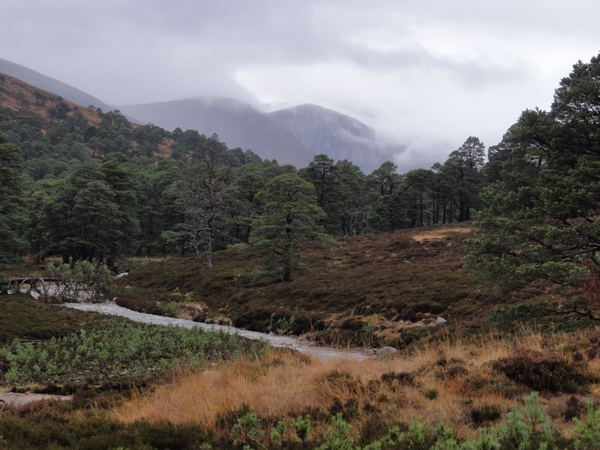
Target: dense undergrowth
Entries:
(116, 352)
(51, 348)
(451, 394)
(526, 428)
(22, 319)
(424, 398)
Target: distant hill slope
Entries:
(291, 136)
(238, 124)
(337, 135)
(12, 87)
(56, 87)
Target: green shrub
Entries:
(337, 437)
(238, 248)
(588, 431)
(528, 429)
(509, 317)
(247, 429)
(85, 279)
(115, 351)
(417, 437)
(265, 278)
(279, 431)
(302, 427)
(286, 324)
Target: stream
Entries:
(275, 340)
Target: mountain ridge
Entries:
(337, 135)
(237, 123)
(292, 135)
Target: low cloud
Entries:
(429, 74)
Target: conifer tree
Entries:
(12, 200)
(543, 215)
(290, 218)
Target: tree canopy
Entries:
(12, 200)
(290, 218)
(98, 188)
(542, 214)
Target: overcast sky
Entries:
(428, 73)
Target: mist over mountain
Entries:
(238, 124)
(337, 135)
(291, 136)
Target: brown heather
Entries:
(468, 391)
(386, 289)
(392, 281)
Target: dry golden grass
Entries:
(442, 231)
(282, 384)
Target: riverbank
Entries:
(295, 343)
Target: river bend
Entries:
(275, 340)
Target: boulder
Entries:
(384, 352)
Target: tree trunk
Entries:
(421, 208)
(287, 272)
(209, 251)
(444, 213)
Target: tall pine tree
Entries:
(12, 201)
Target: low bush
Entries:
(97, 433)
(147, 306)
(528, 428)
(431, 393)
(510, 317)
(115, 351)
(544, 371)
(336, 337)
(452, 369)
(402, 378)
(482, 414)
(20, 318)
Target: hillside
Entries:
(165, 387)
(13, 88)
(55, 87)
(291, 136)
